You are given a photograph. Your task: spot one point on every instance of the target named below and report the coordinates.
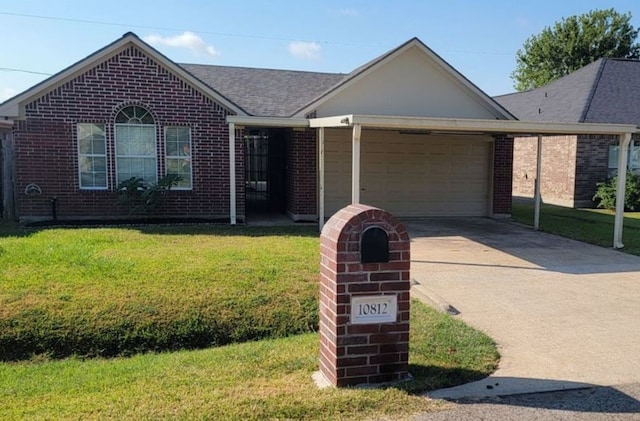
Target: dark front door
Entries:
(265, 171)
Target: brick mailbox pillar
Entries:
(364, 297)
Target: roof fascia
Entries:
(267, 121)
(14, 107)
(471, 125)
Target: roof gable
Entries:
(408, 80)
(14, 107)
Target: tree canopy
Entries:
(573, 43)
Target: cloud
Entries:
(187, 40)
(305, 50)
(349, 12)
(6, 93)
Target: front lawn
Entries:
(269, 379)
(70, 294)
(117, 291)
(594, 226)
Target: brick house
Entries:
(405, 132)
(605, 91)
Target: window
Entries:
(634, 158)
(135, 139)
(92, 156)
(178, 154)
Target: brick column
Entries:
(364, 307)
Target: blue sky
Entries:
(479, 38)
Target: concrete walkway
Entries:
(564, 314)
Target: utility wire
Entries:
(224, 34)
(164, 28)
(33, 72)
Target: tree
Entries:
(573, 43)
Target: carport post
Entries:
(232, 173)
(321, 178)
(355, 166)
(623, 155)
(537, 195)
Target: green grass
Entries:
(593, 226)
(143, 296)
(269, 379)
(116, 291)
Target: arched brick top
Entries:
(354, 219)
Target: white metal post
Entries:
(232, 173)
(623, 155)
(537, 194)
(321, 178)
(355, 166)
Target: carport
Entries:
(429, 126)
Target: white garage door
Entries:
(411, 175)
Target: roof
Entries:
(14, 107)
(251, 91)
(265, 92)
(605, 91)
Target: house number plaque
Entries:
(367, 309)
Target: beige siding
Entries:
(409, 85)
(411, 175)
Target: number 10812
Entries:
(373, 309)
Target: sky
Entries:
(479, 38)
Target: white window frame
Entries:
(136, 123)
(92, 128)
(633, 162)
(181, 157)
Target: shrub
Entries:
(142, 198)
(606, 193)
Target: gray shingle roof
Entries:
(265, 92)
(605, 91)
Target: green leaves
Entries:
(573, 43)
(606, 193)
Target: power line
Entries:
(33, 72)
(164, 28)
(224, 34)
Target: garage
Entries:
(411, 173)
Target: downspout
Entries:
(623, 156)
(232, 174)
(537, 194)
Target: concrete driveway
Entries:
(564, 314)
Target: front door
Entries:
(265, 171)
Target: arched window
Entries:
(135, 138)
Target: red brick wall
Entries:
(46, 151)
(558, 170)
(302, 174)
(502, 175)
(592, 164)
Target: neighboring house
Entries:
(605, 91)
(405, 132)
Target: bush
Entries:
(141, 198)
(606, 193)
